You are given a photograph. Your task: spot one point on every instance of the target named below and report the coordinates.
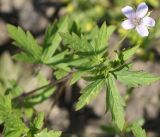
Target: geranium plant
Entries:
(73, 55)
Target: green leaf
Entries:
(138, 131)
(39, 96)
(38, 121)
(14, 127)
(135, 78)
(5, 107)
(60, 73)
(115, 103)
(129, 53)
(62, 66)
(89, 93)
(24, 58)
(78, 61)
(76, 76)
(103, 36)
(46, 133)
(110, 30)
(100, 39)
(29, 112)
(75, 42)
(15, 90)
(53, 39)
(25, 41)
(58, 58)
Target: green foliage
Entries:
(38, 121)
(115, 103)
(135, 78)
(5, 107)
(26, 42)
(60, 73)
(138, 131)
(72, 54)
(129, 53)
(89, 93)
(58, 58)
(39, 96)
(14, 90)
(75, 42)
(53, 39)
(103, 35)
(13, 126)
(46, 133)
(24, 57)
(76, 76)
(98, 44)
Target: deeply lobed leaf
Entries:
(138, 131)
(129, 53)
(89, 93)
(135, 78)
(5, 107)
(25, 41)
(75, 42)
(115, 103)
(38, 121)
(13, 126)
(53, 39)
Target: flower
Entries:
(138, 19)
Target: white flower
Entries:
(138, 19)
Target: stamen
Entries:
(136, 21)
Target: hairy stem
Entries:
(52, 83)
(117, 46)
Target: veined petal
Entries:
(142, 10)
(142, 30)
(128, 11)
(148, 21)
(127, 24)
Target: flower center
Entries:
(136, 21)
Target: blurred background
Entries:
(35, 16)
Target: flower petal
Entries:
(127, 24)
(128, 11)
(148, 21)
(142, 30)
(142, 10)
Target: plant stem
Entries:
(52, 83)
(118, 45)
